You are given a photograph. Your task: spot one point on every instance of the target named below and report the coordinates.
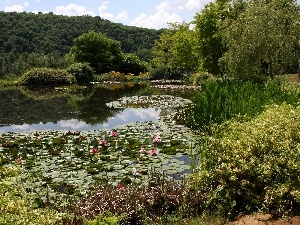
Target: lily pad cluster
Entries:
(152, 101)
(176, 87)
(73, 161)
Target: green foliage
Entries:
(249, 166)
(176, 50)
(47, 32)
(200, 78)
(159, 73)
(105, 220)
(102, 53)
(131, 64)
(219, 101)
(15, 207)
(45, 76)
(209, 35)
(263, 39)
(82, 72)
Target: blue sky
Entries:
(141, 13)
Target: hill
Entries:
(48, 33)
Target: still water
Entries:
(73, 108)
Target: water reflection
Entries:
(128, 115)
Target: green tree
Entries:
(209, 37)
(176, 49)
(263, 40)
(101, 52)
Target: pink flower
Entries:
(156, 138)
(95, 150)
(103, 142)
(18, 160)
(153, 152)
(121, 187)
(143, 151)
(114, 133)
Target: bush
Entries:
(83, 72)
(44, 76)
(253, 165)
(201, 77)
(15, 207)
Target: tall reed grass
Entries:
(221, 100)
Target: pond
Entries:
(69, 138)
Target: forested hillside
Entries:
(46, 33)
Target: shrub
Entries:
(15, 207)
(83, 72)
(201, 77)
(44, 76)
(253, 165)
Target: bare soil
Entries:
(264, 219)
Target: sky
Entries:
(154, 14)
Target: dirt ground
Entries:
(265, 219)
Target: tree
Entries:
(263, 40)
(175, 49)
(209, 37)
(101, 52)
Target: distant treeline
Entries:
(31, 40)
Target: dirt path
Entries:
(264, 220)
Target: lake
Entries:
(74, 108)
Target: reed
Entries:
(221, 100)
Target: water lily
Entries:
(114, 133)
(18, 160)
(156, 138)
(95, 150)
(121, 187)
(103, 142)
(153, 152)
(143, 151)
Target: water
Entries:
(83, 108)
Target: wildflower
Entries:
(143, 151)
(95, 150)
(103, 142)
(153, 152)
(114, 133)
(18, 160)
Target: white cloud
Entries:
(102, 11)
(159, 20)
(73, 123)
(16, 8)
(73, 10)
(122, 16)
(21, 127)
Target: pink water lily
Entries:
(95, 150)
(103, 142)
(156, 138)
(143, 151)
(121, 187)
(114, 133)
(153, 152)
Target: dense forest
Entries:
(46, 33)
(44, 39)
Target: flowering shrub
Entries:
(253, 165)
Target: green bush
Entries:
(83, 72)
(253, 165)
(44, 76)
(201, 77)
(15, 206)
